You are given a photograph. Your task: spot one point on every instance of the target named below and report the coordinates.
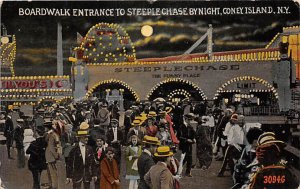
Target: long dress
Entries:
(132, 154)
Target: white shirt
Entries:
(227, 129)
(115, 130)
(82, 150)
(211, 121)
(236, 136)
(136, 131)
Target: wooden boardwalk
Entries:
(14, 178)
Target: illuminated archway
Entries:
(246, 88)
(175, 86)
(102, 86)
(65, 100)
(49, 100)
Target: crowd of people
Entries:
(155, 138)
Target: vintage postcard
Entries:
(149, 94)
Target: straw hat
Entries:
(163, 151)
(136, 122)
(152, 114)
(151, 140)
(268, 138)
(83, 129)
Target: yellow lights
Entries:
(176, 92)
(176, 80)
(246, 78)
(107, 39)
(89, 93)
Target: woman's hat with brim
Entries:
(163, 151)
(269, 138)
(152, 114)
(168, 109)
(83, 129)
(234, 117)
(151, 140)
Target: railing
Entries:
(261, 110)
(243, 55)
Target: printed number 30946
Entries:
(274, 179)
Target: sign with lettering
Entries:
(247, 86)
(56, 83)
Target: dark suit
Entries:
(79, 171)
(37, 160)
(145, 162)
(8, 133)
(116, 145)
(19, 137)
(185, 133)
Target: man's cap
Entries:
(163, 151)
(20, 120)
(151, 140)
(189, 116)
(41, 110)
(114, 120)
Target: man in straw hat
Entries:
(145, 161)
(159, 176)
(136, 130)
(272, 173)
(81, 167)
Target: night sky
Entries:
(36, 35)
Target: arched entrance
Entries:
(47, 101)
(102, 88)
(176, 89)
(248, 91)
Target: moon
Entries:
(147, 30)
